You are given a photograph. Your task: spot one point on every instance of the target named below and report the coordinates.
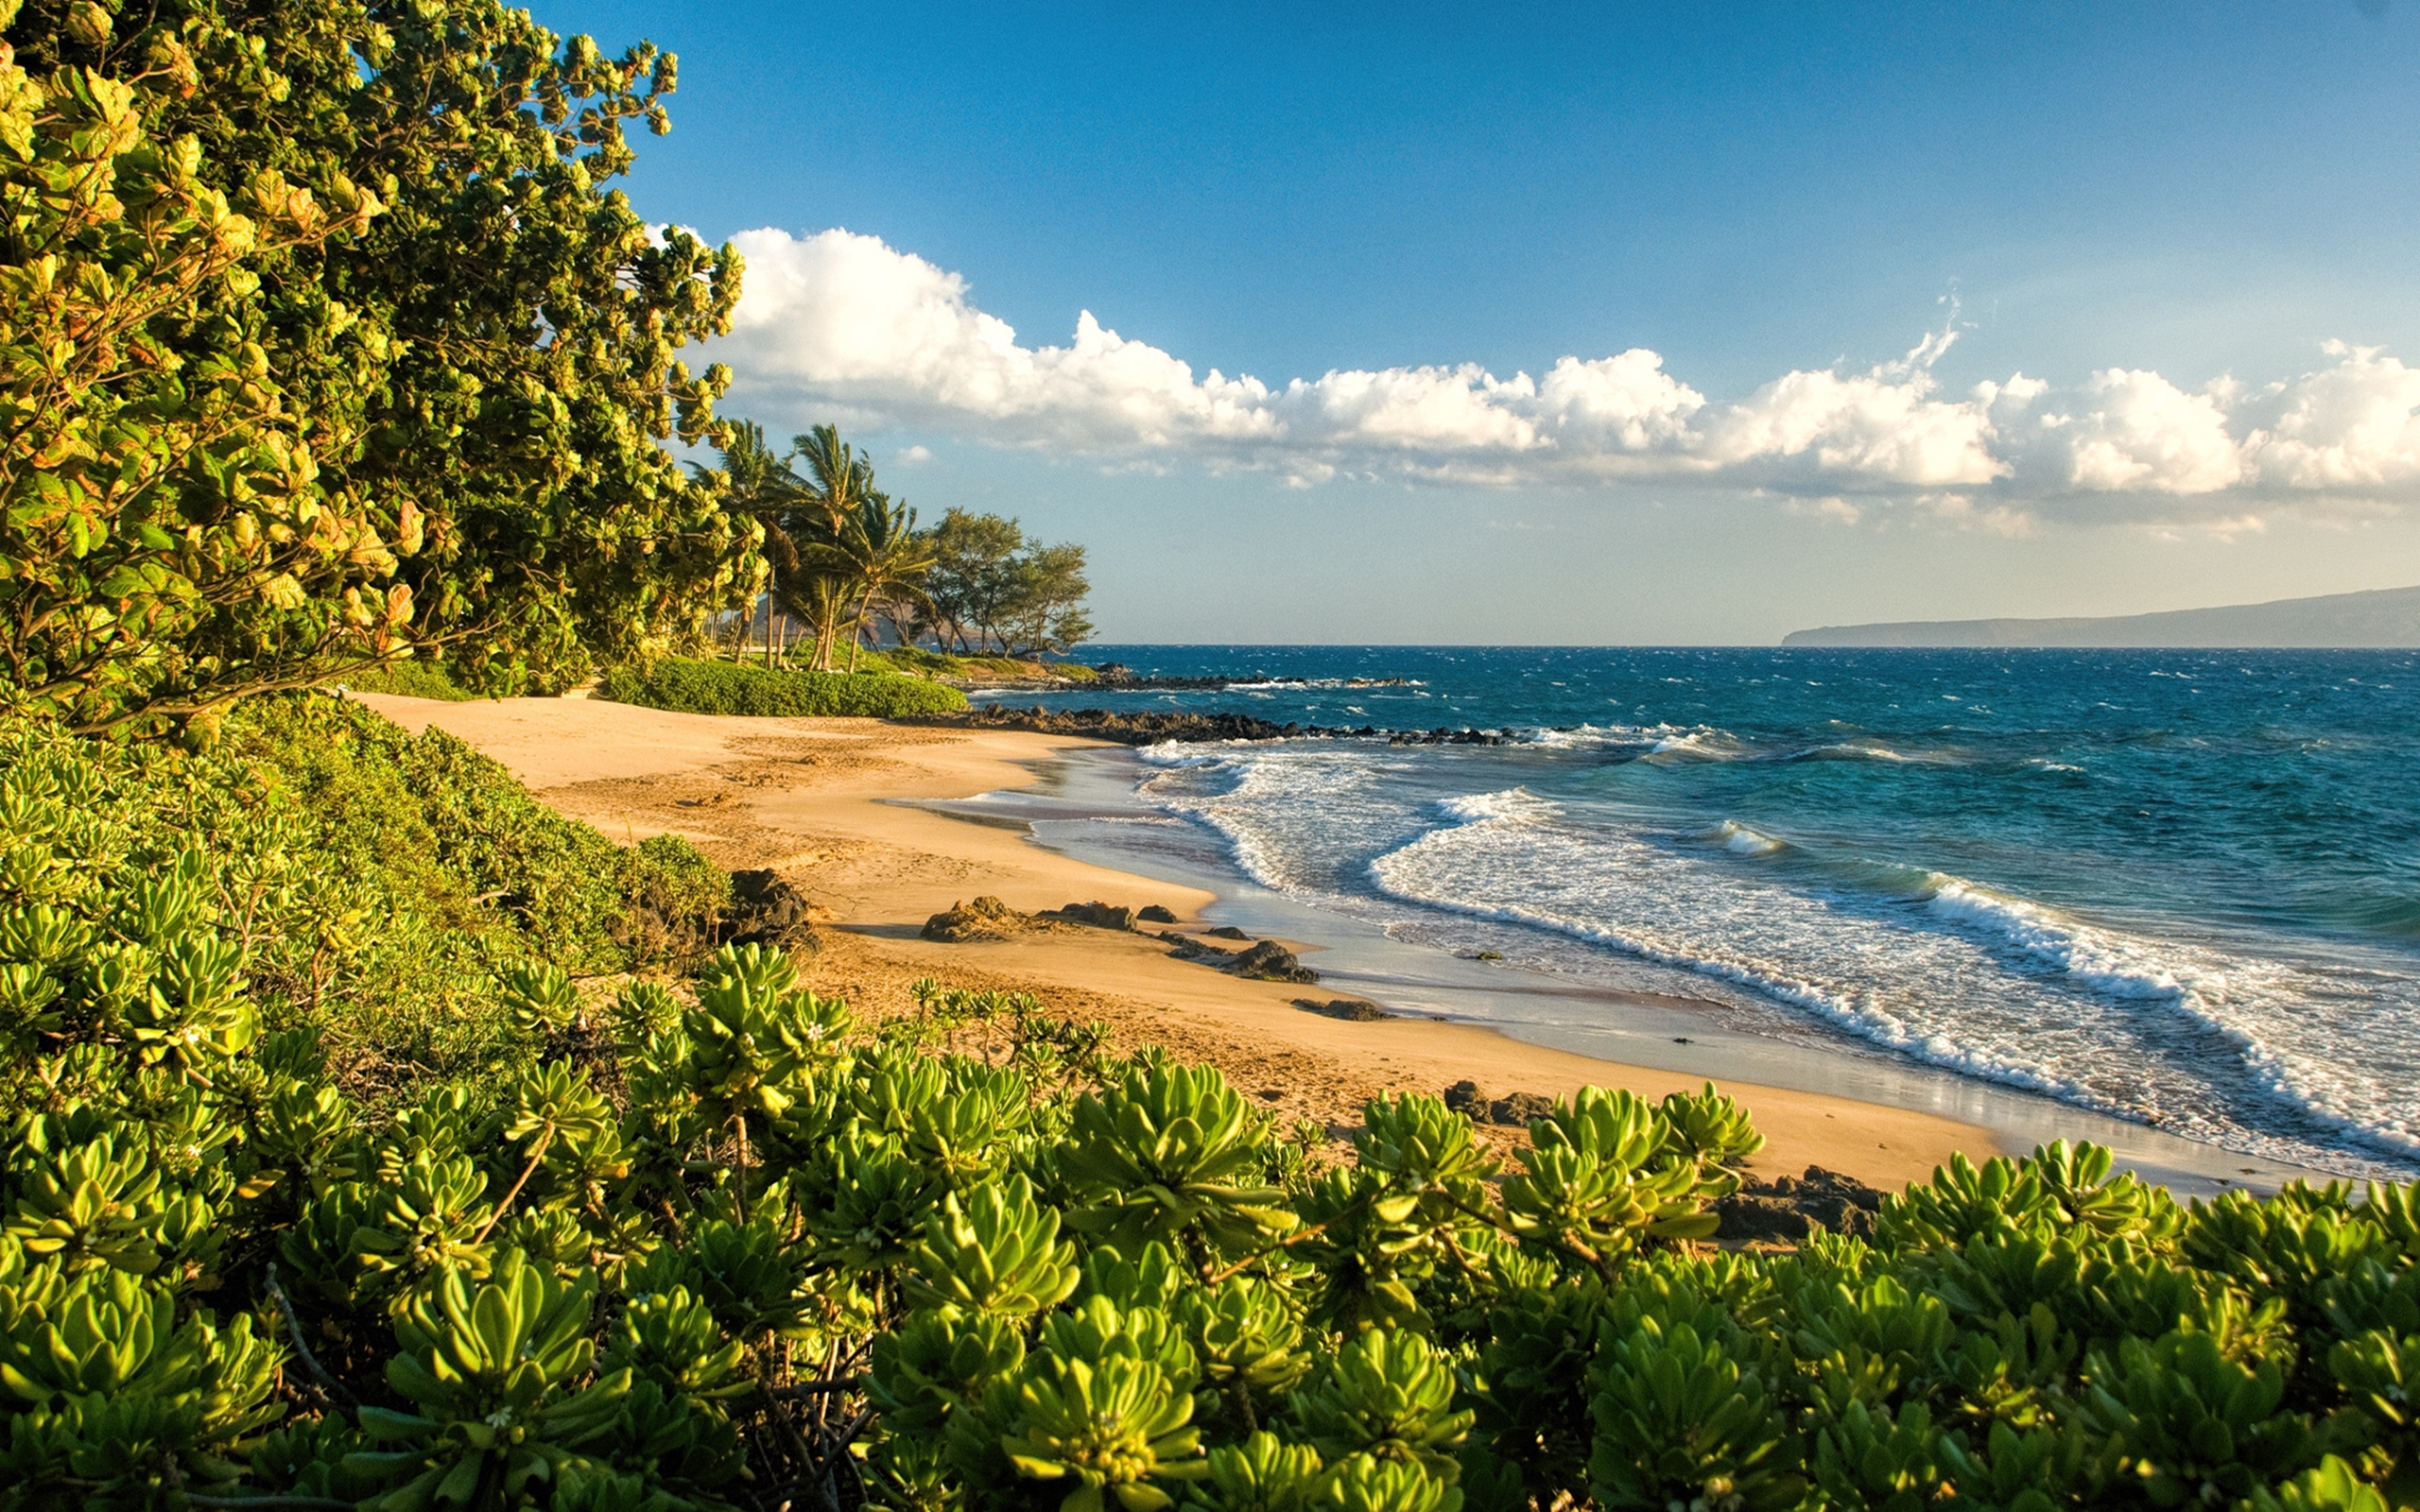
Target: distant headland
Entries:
(2386, 617)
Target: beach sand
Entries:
(819, 800)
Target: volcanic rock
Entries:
(1465, 1097)
(1351, 1011)
(986, 918)
(1794, 1208)
(767, 910)
(1520, 1108)
(1272, 962)
(1103, 915)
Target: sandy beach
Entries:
(821, 801)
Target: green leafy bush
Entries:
(729, 688)
(319, 869)
(327, 331)
(733, 1248)
(412, 679)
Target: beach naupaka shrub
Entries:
(377, 888)
(637, 1243)
(755, 1253)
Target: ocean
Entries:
(2180, 889)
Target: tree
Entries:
(888, 556)
(987, 577)
(973, 572)
(839, 482)
(762, 486)
(1045, 611)
(325, 340)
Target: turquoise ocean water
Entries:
(2181, 888)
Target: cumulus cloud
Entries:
(839, 324)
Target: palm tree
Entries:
(837, 480)
(820, 593)
(766, 489)
(887, 554)
(835, 543)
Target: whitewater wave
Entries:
(1857, 969)
(1281, 684)
(1866, 1021)
(1740, 840)
(2215, 1044)
(1516, 805)
(1698, 746)
(1863, 750)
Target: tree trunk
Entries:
(858, 631)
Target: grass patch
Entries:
(917, 661)
(729, 688)
(412, 679)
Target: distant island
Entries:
(2384, 617)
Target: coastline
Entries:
(857, 813)
(1087, 806)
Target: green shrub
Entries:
(730, 688)
(917, 661)
(376, 886)
(737, 1248)
(412, 679)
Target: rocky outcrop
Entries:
(1100, 915)
(1353, 1010)
(1190, 949)
(1152, 727)
(1265, 960)
(1470, 1100)
(1442, 736)
(1153, 914)
(1520, 1108)
(1112, 675)
(986, 918)
(1123, 678)
(767, 910)
(1793, 1208)
(1272, 962)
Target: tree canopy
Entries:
(842, 552)
(325, 339)
(990, 586)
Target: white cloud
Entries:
(1832, 510)
(840, 325)
(1880, 427)
(2137, 432)
(1625, 404)
(2352, 426)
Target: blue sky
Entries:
(1774, 202)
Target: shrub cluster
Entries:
(640, 1248)
(730, 688)
(412, 679)
(739, 1251)
(378, 886)
(918, 660)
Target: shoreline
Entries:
(1087, 806)
(845, 810)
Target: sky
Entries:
(1591, 323)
